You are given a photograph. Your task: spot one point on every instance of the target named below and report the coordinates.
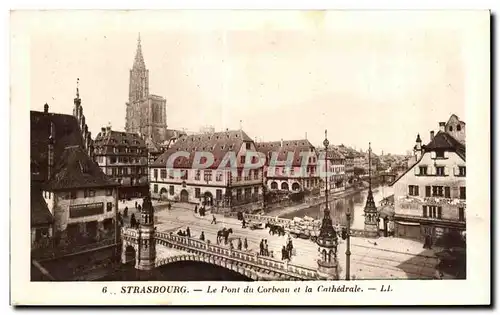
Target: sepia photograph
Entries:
(250, 146)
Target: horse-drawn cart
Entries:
(306, 228)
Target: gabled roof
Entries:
(67, 133)
(75, 169)
(444, 141)
(105, 141)
(333, 153)
(295, 146)
(40, 214)
(441, 141)
(218, 143)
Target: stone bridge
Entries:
(251, 265)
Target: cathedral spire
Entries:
(139, 59)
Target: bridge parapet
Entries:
(253, 260)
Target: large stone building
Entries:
(219, 183)
(301, 172)
(146, 113)
(430, 196)
(74, 204)
(123, 156)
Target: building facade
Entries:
(291, 165)
(146, 113)
(430, 197)
(223, 182)
(123, 156)
(335, 166)
(75, 203)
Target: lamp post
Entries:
(348, 249)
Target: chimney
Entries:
(281, 142)
(441, 126)
(50, 151)
(432, 135)
(46, 108)
(103, 131)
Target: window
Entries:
(413, 190)
(459, 128)
(207, 175)
(256, 174)
(171, 174)
(439, 154)
(155, 188)
(291, 171)
(437, 191)
(462, 192)
(238, 194)
(197, 193)
(89, 193)
(256, 190)
(109, 206)
(163, 174)
(450, 128)
(439, 170)
(184, 174)
(423, 170)
(242, 159)
(197, 175)
(461, 214)
(447, 192)
(171, 190)
(427, 191)
(72, 194)
(248, 145)
(218, 194)
(461, 171)
(155, 172)
(218, 176)
(424, 211)
(109, 192)
(434, 211)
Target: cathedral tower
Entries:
(146, 113)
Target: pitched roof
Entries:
(444, 141)
(106, 140)
(40, 214)
(67, 133)
(294, 146)
(75, 169)
(441, 141)
(333, 153)
(218, 143)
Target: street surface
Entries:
(382, 258)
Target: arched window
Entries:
(324, 255)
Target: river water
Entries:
(339, 206)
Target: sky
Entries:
(379, 77)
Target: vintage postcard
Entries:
(250, 157)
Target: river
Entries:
(339, 206)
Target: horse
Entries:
(224, 233)
(275, 229)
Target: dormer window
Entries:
(459, 128)
(439, 154)
(450, 128)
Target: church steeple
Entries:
(139, 63)
(139, 76)
(371, 214)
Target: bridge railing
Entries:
(264, 261)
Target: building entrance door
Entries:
(184, 196)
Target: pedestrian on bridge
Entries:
(283, 253)
(196, 209)
(125, 212)
(202, 236)
(240, 244)
(214, 219)
(245, 244)
(266, 248)
(188, 232)
(261, 245)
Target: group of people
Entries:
(185, 233)
(287, 250)
(264, 248)
(241, 244)
(201, 211)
